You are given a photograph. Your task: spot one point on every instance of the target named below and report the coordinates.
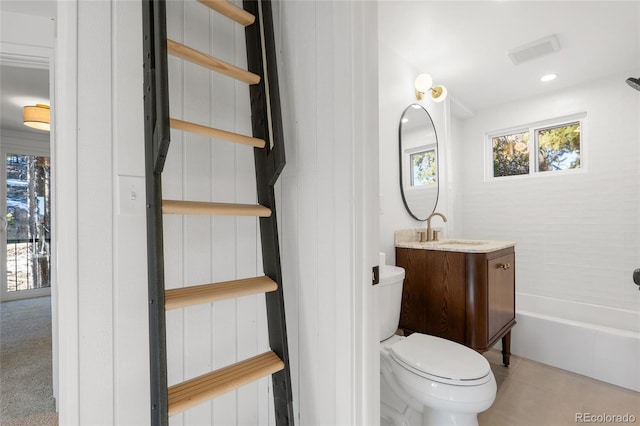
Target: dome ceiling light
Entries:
(37, 117)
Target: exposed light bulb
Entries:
(423, 83)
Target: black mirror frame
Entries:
(404, 200)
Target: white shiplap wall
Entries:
(327, 232)
(328, 81)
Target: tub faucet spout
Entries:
(433, 235)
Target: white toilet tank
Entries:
(388, 297)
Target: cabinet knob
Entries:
(504, 266)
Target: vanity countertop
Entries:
(408, 238)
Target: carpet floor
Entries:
(26, 389)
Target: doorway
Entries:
(27, 352)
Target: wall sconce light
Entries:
(424, 83)
(37, 117)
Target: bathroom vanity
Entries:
(461, 290)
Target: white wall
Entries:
(396, 86)
(327, 233)
(577, 235)
(27, 30)
(101, 252)
(328, 83)
(30, 143)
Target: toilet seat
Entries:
(441, 360)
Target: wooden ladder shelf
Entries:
(215, 133)
(207, 293)
(213, 209)
(203, 388)
(192, 55)
(231, 11)
(269, 161)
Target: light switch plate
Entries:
(131, 195)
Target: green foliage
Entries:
(423, 168)
(559, 148)
(511, 154)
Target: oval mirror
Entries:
(418, 144)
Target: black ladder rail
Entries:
(269, 162)
(157, 137)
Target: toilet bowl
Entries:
(426, 380)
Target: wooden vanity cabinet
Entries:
(465, 297)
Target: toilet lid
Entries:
(441, 358)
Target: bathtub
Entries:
(595, 341)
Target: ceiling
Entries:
(21, 86)
(464, 45)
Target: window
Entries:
(28, 223)
(423, 167)
(549, 146)
(558, 147)
(511, 154)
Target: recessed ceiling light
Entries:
(548, 77)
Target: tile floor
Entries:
(534, 394)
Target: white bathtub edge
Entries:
(599, 352)
(587, 313)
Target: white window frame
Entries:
(418, 150)
(406, 166)
(532, 145)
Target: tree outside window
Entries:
(559, 148)
(423, 167)
(511, 154)
(556, 146)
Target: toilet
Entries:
(426, 380)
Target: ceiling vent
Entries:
(533, 50)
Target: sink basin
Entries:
(461, 242)
(453, 245)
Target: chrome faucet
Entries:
(433, 235)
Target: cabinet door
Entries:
(445, 284)
(501, 292)
(413, 314)
(433, 295)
